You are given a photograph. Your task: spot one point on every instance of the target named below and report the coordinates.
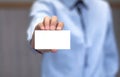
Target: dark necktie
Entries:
(78, 5)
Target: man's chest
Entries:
(95, 24)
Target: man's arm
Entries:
(40, 20)
(110, 50)
(39, 10)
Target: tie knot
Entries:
(79, 2)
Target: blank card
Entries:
(52, 39)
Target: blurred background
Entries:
(16, 59)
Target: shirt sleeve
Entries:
(39, 10)
(110, 50)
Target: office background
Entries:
(16, 59)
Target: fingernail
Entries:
(47, 27)
(58, 28)
(52, 27)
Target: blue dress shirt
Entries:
(93, 49)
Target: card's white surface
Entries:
(52, 39)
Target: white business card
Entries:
(52, 39)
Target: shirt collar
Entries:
(70, 3)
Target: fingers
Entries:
(40, 26)
(47, 50)
(60, 26)
(47, 22)
(53, 50)
(50, 24)
(54, 21)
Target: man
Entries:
(93, 50)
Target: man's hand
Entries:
(48, 24)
